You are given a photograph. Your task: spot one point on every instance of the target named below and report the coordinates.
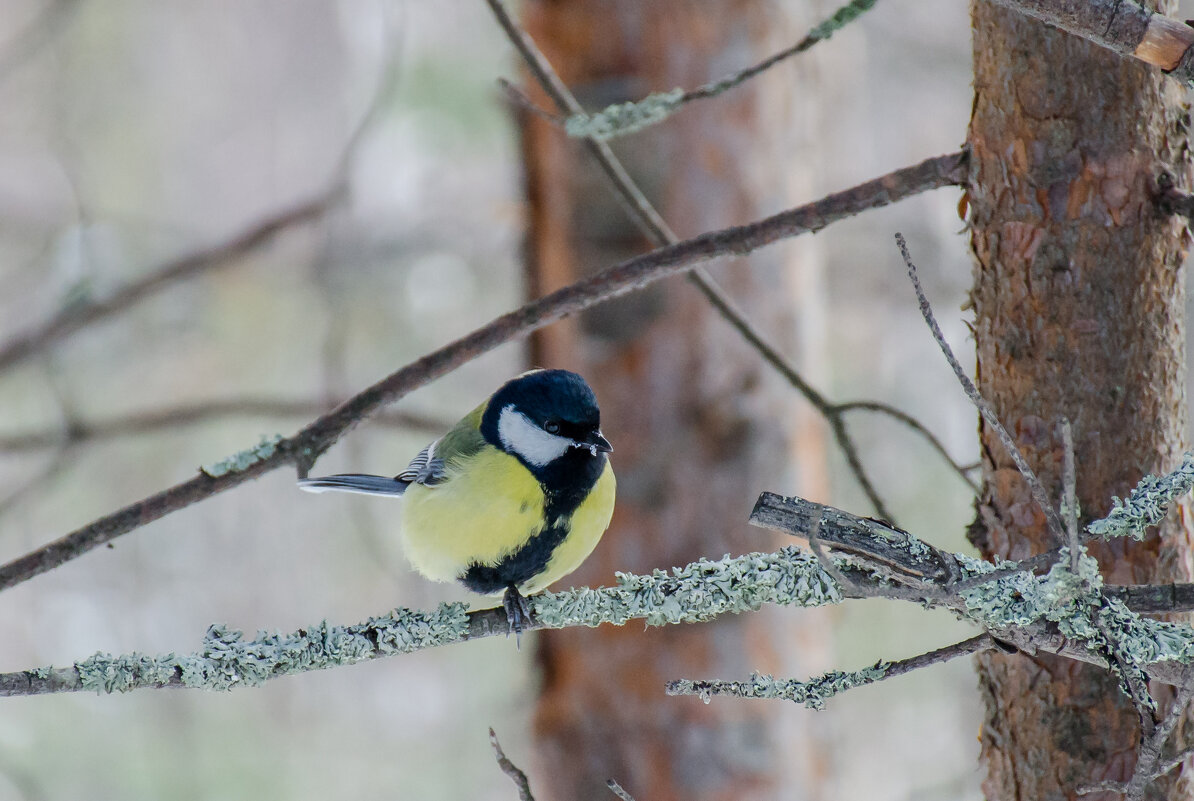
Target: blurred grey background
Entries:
(133, 133)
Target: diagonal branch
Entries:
(984, 407)
(308, 444)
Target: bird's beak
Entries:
(596, 443)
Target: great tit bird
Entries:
(513, 498)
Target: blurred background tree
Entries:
(700, 423)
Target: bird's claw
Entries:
(518, 613)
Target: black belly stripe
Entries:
(566, 483)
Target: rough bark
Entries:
(699, 424)
(1079, 312)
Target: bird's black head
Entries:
(544, 415)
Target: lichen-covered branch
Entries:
(700, 591)
(1062, 612)
(625, 118)
(633, 274)
(1147, 504)
(815, 692)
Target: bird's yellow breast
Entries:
(486, 509)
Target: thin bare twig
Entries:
(510, 769)
(308, 444)
(962, 470)
(1034, 484)
(80, 315)
(640, 210)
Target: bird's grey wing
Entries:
(426, 468)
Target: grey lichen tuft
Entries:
(1147, 504)
(244, 459)
(104, 673)
(227, 660)
(697, 592)
(624, 118)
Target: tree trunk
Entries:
(1079, 303)
(699, 424)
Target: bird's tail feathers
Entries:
(354, 482)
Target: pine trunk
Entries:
(1079, 303)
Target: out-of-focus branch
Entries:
(652, 224)
(169, 418)
(1121, 26)
(80, 315)
(312, 441)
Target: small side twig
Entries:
(510, 769)
(918, 427)
(1009, 443)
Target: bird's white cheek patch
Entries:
(528, 440)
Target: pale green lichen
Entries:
(1074, 602)
(624, 118)
(227, 660)
(1147, 504)
(244, 459)
(812, 693)
(700, 591)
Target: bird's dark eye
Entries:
(551, 427)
